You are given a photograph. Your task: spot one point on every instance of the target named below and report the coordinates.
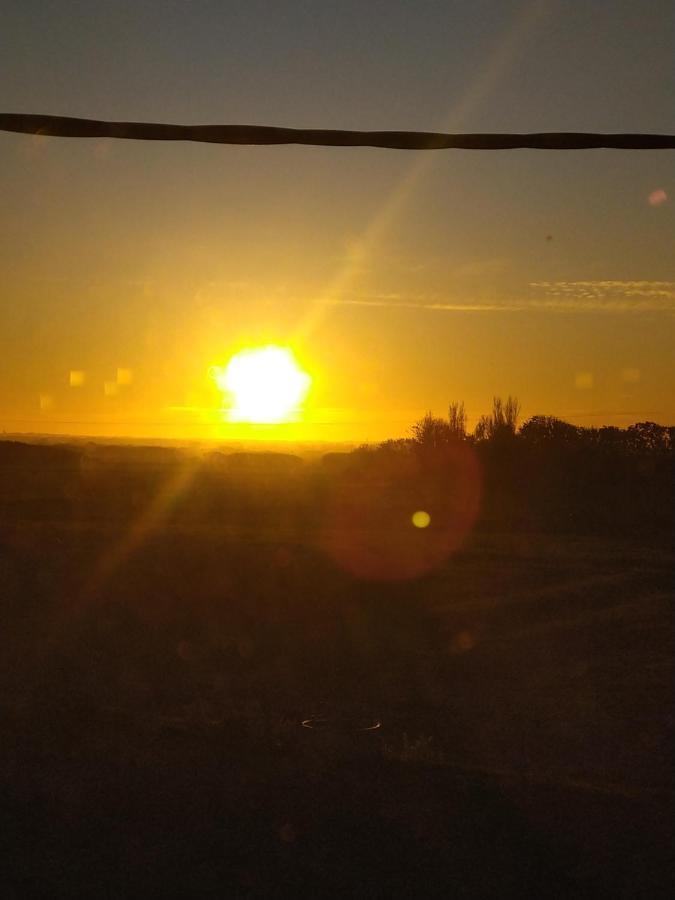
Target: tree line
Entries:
(502, 424)
(546, 473)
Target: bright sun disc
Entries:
(263, 385)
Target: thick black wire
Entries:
(65, 126)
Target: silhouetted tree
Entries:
(502, 421)
(550, 430)
(432, 433)
(609, 437)
(457, 419)
(648, 437)
(396, 446)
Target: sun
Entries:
(263, 385)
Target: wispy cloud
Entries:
(388, 303)
(541, 296)
(607, 295)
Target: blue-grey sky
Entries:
(403, 280)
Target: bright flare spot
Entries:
(76, 378)
(265, 385)
(657, 197)
(421, 519)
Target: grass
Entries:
(152, 710)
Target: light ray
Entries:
(147, 522)
(503, 57)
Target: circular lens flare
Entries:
(367, 527)
(421, 519)
(263, 385)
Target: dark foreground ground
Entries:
(153, 689)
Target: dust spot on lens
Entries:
(462, 642)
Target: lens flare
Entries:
(421, 519)
(657, 197)
(367, 527)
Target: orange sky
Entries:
(401, 280)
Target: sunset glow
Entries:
(402, 280)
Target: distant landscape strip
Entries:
(66, 126)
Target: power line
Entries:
(66, 126)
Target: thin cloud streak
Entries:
(555, 297)
(609, 294)
(385, 303)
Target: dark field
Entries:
(163, 641)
